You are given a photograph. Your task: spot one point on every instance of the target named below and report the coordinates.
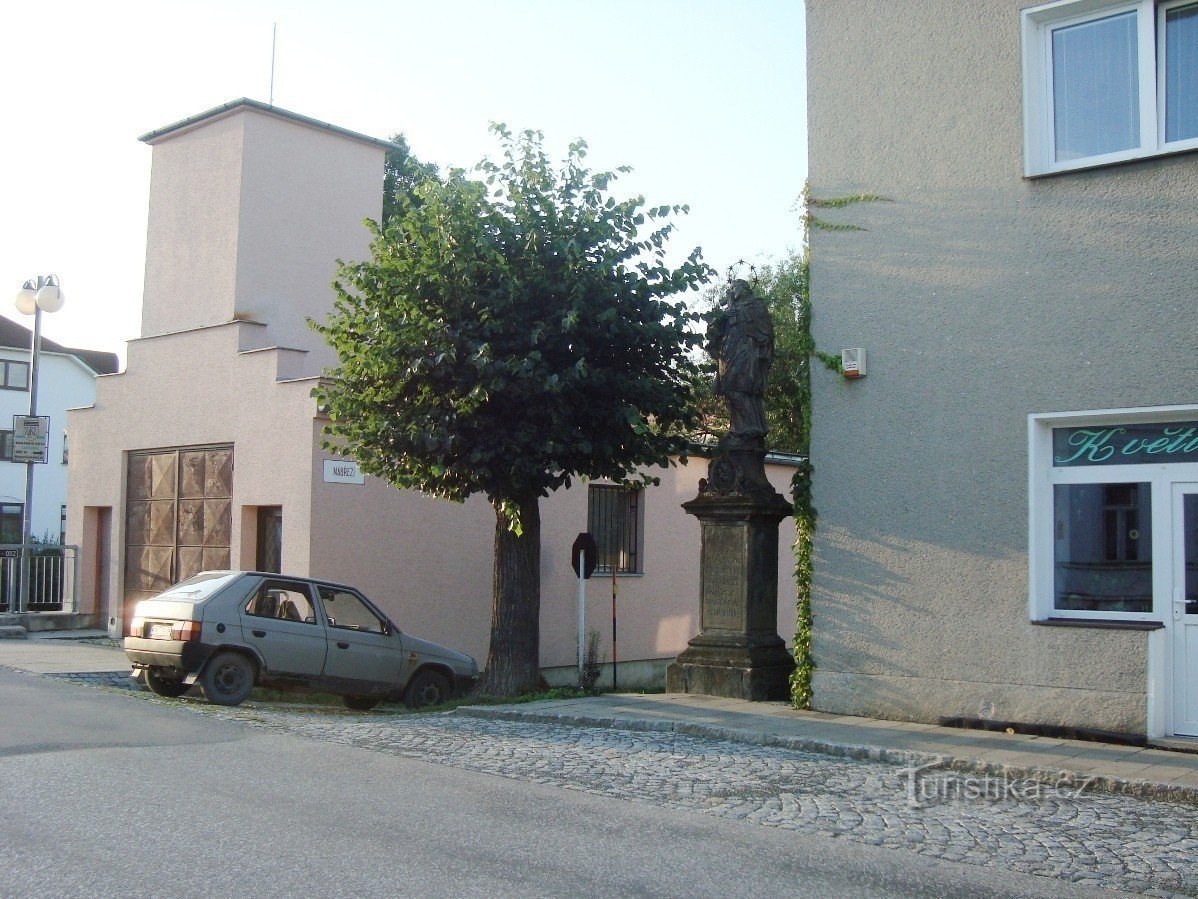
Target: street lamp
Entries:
(36, 296)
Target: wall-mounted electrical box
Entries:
(852, 362)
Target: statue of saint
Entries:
(741, 340)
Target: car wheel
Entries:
(165, 685)
(362, 703)
(427, 688)
(228, 678)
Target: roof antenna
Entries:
(274, 34)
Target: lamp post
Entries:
(36, 296)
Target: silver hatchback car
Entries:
(234, 630)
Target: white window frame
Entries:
(1043, 477)
(1038, 24)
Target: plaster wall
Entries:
(981, 296)
(63, 382)
(248, 214)
(428, 564)
(194, 389)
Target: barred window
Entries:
(614, 516)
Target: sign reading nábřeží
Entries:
(1128, 444)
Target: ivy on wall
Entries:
(800, 485)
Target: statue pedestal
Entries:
(737, 652)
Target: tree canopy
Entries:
(510, 333)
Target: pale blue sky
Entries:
(706, 100)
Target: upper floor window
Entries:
(1107, 81)
(14, 375)
(614, 518)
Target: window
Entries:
(12, 520)
(14, 375)
(62, 525)
(64, 448)
(1102, 547)
(5, 446)
(614, 517)
(346, 609)
(283, 601)
(1107, 81)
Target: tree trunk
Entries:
(513, 660)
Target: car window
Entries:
(284, 600)
(199, 587)
(346, 609)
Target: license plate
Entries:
(160, 631)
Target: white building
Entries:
(66, 379)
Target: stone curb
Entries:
(12, 632)
(1057, 777)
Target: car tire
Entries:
(362, 703)
(164, 685)
(427, 688)
(228, 678)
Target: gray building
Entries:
(1008, 500)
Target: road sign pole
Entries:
(582, 616)
(27, 518)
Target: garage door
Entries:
(178, 516)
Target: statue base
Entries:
(737, 652)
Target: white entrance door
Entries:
(1185, 609)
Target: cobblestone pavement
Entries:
(1115, 842)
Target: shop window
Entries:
(614, 518)
(1108, 81)
(1102, 547)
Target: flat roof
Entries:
(232, 106)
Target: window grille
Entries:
(614, 519)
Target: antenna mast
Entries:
(274, 34)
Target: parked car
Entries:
(234, 630)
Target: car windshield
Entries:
(198, 587)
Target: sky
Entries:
(705, 99)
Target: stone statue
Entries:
(741, 340)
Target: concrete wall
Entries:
(981, 297)
(248, 214)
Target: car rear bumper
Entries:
(178, 655)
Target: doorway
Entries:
(1184, 612)
(269, 553)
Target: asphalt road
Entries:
(107, 795)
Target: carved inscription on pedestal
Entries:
(724, 574)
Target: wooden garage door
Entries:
(178, 516)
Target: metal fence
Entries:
(51, 578)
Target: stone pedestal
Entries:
(737, 652)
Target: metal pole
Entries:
(615, 682)
(582, 613)
(27, 523)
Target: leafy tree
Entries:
(402, 174)
(506, 338)
(783, 288)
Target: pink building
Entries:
(206, 452)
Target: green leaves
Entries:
(513, 332)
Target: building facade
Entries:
(1007, 501)
(207, 451)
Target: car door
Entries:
(363, 646)
(279, 620)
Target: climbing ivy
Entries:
(800, 485)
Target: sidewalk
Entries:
(1131, 770)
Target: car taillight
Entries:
(185, 630)
(137, 627)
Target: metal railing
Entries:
(52, 578)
